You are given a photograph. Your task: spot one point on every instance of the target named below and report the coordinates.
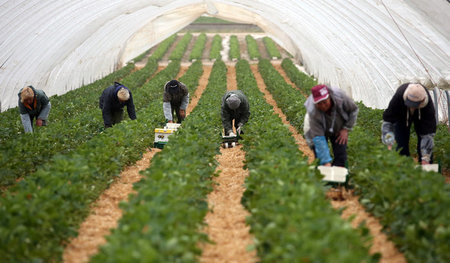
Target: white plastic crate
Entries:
(333, 173)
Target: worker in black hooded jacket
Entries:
(112, 101)
(411, 103)
(234, 107)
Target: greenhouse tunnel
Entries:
(367, 48)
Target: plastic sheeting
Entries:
(356, 45)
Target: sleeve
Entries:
(185, 102)
(245, 113)
(26, 122)
(322, 150)
(426, 146)
(130, 108)
(352, 109)
(226, 119)
(391, 114)
(167, 111)
(387, 133)
(43, 115)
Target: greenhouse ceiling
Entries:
(366, 47)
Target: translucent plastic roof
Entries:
(366, 47)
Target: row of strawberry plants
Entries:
(252, 47)
(181, 47)
(290, 217)
(199, 46)
(162, 222)
(271, 48)
(300, 79)
(23, 155)
(235, 52)
(61, 106)
(408, 201)
(44, 210)
(216, 47)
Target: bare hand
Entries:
(183, 113)
(39, 122)
(327, 164)
(170, 121)
(389, 147)
(425, 162)
(343, 137)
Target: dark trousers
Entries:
(339, 152)
(176, 109)
(402, 134)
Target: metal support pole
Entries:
(448, 107)
(436, 103)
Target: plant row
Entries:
(43, 210)
(410, 203)
(199, 46)
(27, 152)
(290, 218)
(252, 47)
(271, 48)
(181, 47)
(216, 47)
(163, 221)
(235, 51)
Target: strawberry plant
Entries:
(235, 51)
(216, 47)
(181, 47)
(271, 48)
(252, 46)
(199, 45)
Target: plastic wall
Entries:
(368, 47)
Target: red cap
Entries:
(319, 93)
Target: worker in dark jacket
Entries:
(112, 101)
(175, 100)
(330, 115)
(234, 107)
(411, 103)
(33, 103)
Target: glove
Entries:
(239, 130)
(389, 138)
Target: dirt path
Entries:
(105, 212)
(226, 225)
(380, 244)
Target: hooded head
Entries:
(123, 94)
(174, 86)
(233, 101)
(415, 96)
(27, 93)
(319, 93)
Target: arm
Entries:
(130, 108)
(184, 102)
(245, 114)
(167, 111)
(352, 109)
(43, 115)
(426, 147)
(26, 122)
(322, 150)
(226, 119)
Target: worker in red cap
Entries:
(330, 115)
(175, 100)
(411, 103)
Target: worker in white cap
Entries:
(234, 107)
(112, 101)
(411, 103)
(175, 100)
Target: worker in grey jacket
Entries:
(331, 114)
(175, 99)
(33, 103)
(234, 107)
(410, 104)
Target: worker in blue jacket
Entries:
(33, 103)
(112, 101)
(331, 114)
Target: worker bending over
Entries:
(112, 101)
(175, 99)
(33, 103)
(411, 103)
(234, 107)
(331, 114)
